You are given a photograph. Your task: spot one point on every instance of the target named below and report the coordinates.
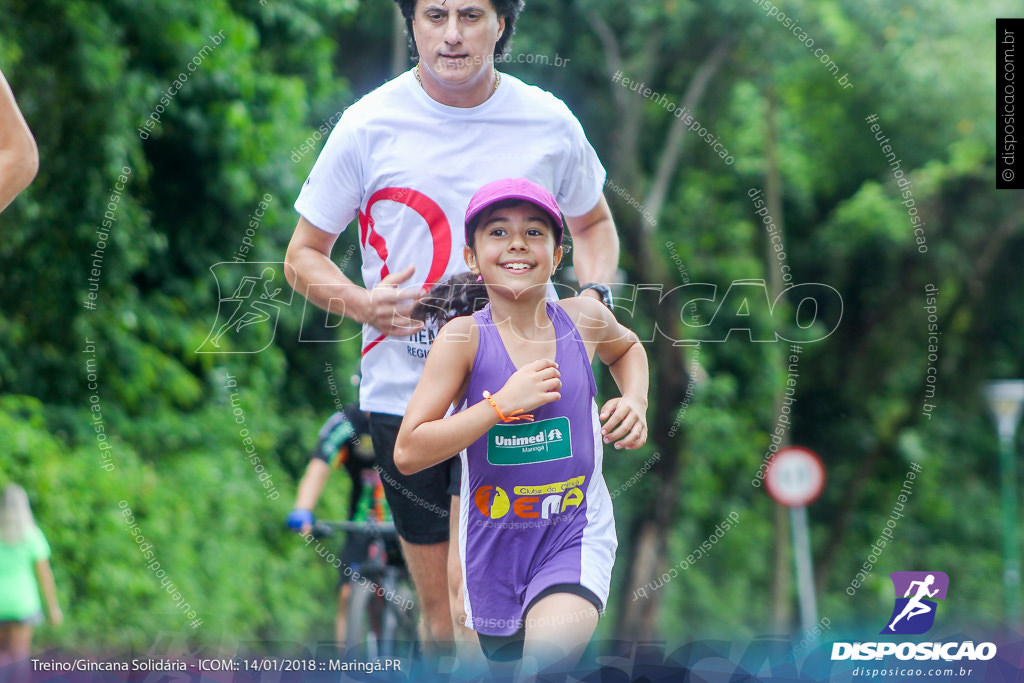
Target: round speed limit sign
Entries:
(795, 477)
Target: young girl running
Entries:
(536, 532)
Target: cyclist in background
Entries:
(344, 441)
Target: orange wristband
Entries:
(511, 418)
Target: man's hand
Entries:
(530, 387)
(311, 273)
(388, 307)
(625, 422)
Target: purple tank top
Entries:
(534, 502)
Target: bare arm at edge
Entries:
(19, 157)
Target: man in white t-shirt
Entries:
(405, 160)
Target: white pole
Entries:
(804, 572)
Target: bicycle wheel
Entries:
(363, 623)
(399, 618)
(388, 618)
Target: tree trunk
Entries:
(782, 583)
(399, 43)
(653, 524)
(979, 270)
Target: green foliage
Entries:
(198, 508)
(88, 81)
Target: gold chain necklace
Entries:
(497, 78)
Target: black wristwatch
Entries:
(602, 290)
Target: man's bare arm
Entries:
(311, 272)
(596, 245)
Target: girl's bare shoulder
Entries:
(577, 305)
(460, 334)
(591, 317)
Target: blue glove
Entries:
(298, 518)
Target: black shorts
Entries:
(420, 502)
(455, 477)
(510, 648)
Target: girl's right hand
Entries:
(531, 386)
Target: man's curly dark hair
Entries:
(509, 9)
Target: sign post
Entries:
(1006, 400)
(795, 478)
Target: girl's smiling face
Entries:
(514, 248)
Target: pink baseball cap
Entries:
(513, 188)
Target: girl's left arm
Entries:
(625, 418)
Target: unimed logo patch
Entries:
(533, 442)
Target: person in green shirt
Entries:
(24, 573)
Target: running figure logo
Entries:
(253, 306)
(914, 612)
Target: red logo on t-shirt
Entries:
(437, 222)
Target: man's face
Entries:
(455, 38)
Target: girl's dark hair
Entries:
(459, 295)
(509, 9)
